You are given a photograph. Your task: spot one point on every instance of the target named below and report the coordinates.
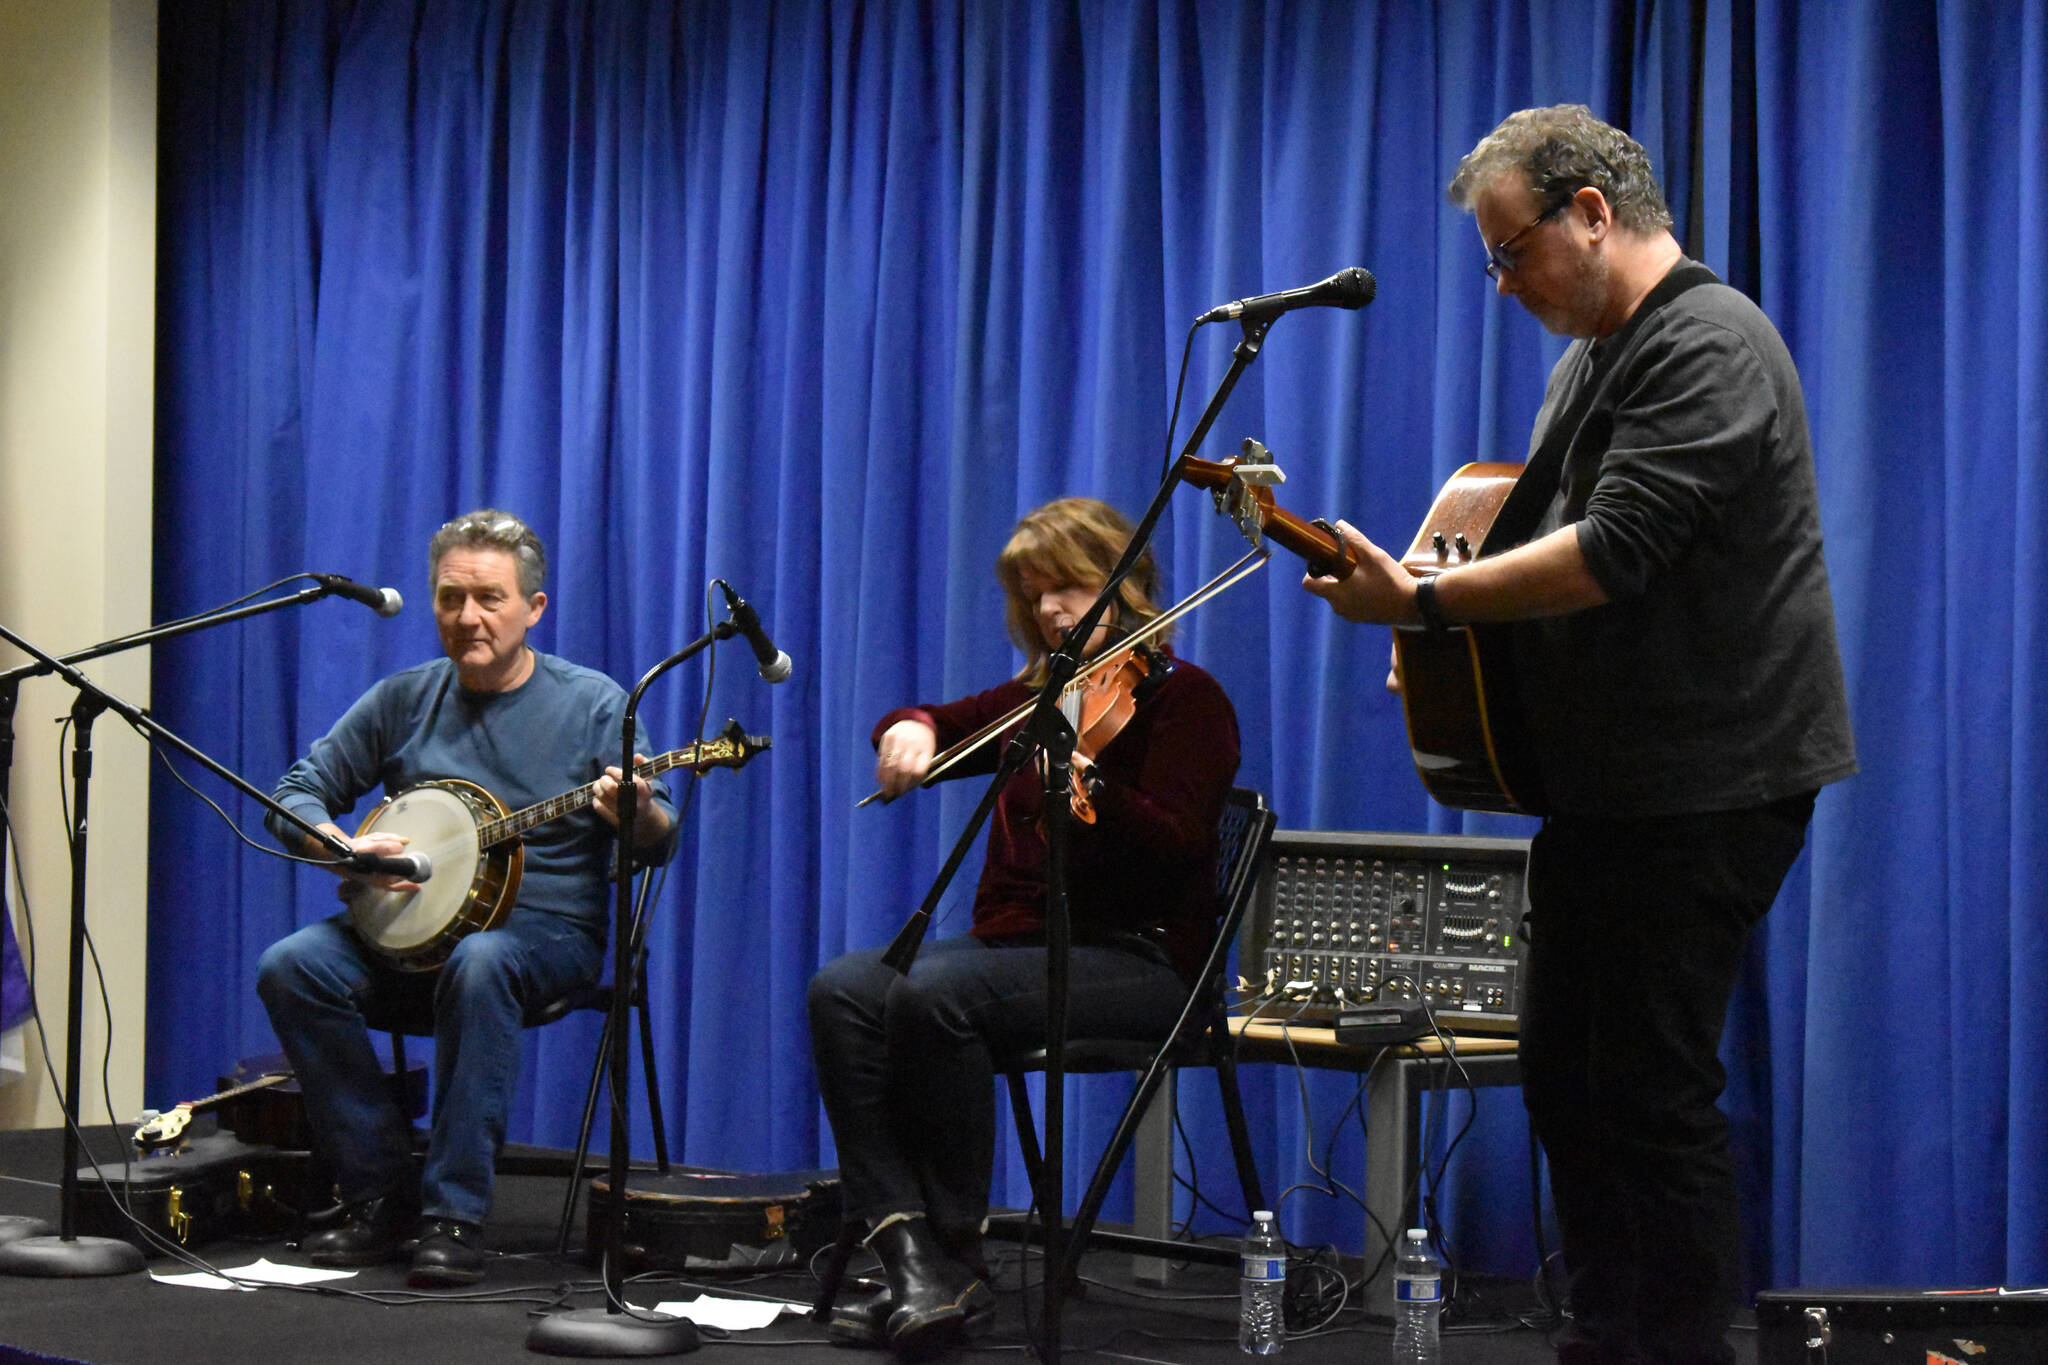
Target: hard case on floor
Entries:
(215, 1187)
(1901, 1327)
(718, 1220)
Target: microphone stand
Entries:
(12, 679)
(902, 950)
(1046, 730)
(616, 1330)
(67, 1254)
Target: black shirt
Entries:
(1712, 679)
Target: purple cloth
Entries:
(14, 996)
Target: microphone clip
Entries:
(775, 663)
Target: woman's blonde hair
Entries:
(1077, 541)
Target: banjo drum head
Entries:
(441, 825)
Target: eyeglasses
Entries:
(490, 526)
(1497, 257)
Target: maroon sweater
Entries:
(1149, 860)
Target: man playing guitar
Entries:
(1666, 610)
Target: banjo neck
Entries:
(731, 749)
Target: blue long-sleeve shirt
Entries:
(553, 733)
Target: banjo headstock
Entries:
(731, 749)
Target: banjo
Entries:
(459, 825)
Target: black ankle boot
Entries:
(860, 1321)
(934, 1299)
(447, 1253)
(964, 1245)
(371, 1231)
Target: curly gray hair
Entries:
(1562, 149)
(489, 529)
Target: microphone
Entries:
(414, 867)
(383, 601)
(775, 664)
(1353, 288)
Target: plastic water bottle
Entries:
(1261, 1285)
(1418, 1299)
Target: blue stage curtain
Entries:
(820, 296)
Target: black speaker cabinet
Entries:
(1901, 1327)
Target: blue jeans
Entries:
(316, 984)
(906, 1062)
(1637, 932)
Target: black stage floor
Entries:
(131, 1320)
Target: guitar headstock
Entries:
(1255, 466)
(1247, 499)
(1242, 486)
(163, 1130)
(1243, 489)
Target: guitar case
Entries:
(1900, 1326)
(699, 1220)
(215, 1186)
(252, 1179)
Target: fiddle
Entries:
(944, 762)
(1107, 703)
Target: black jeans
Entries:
(1638, 929)
(906, 1062)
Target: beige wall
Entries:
(77, 337)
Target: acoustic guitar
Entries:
(1465, 728)
(463, 828)
(1459, 688)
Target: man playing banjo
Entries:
(524, 726)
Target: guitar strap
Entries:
(1525, 503)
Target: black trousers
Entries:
(906, 1062)
(1637, 931)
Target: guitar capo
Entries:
(1253, 468)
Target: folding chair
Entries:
(1202, 1038)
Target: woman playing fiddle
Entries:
(905, 1060)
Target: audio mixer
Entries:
(1344, 923)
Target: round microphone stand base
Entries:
(15, 1226)
(602, 1332)
(69, 1257)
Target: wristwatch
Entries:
(1426, 607)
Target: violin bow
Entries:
(1253, 561)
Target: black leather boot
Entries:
(861, 1321)
(448, 1252)
(963, 1244)
(371, 1231)
(934, 1299)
